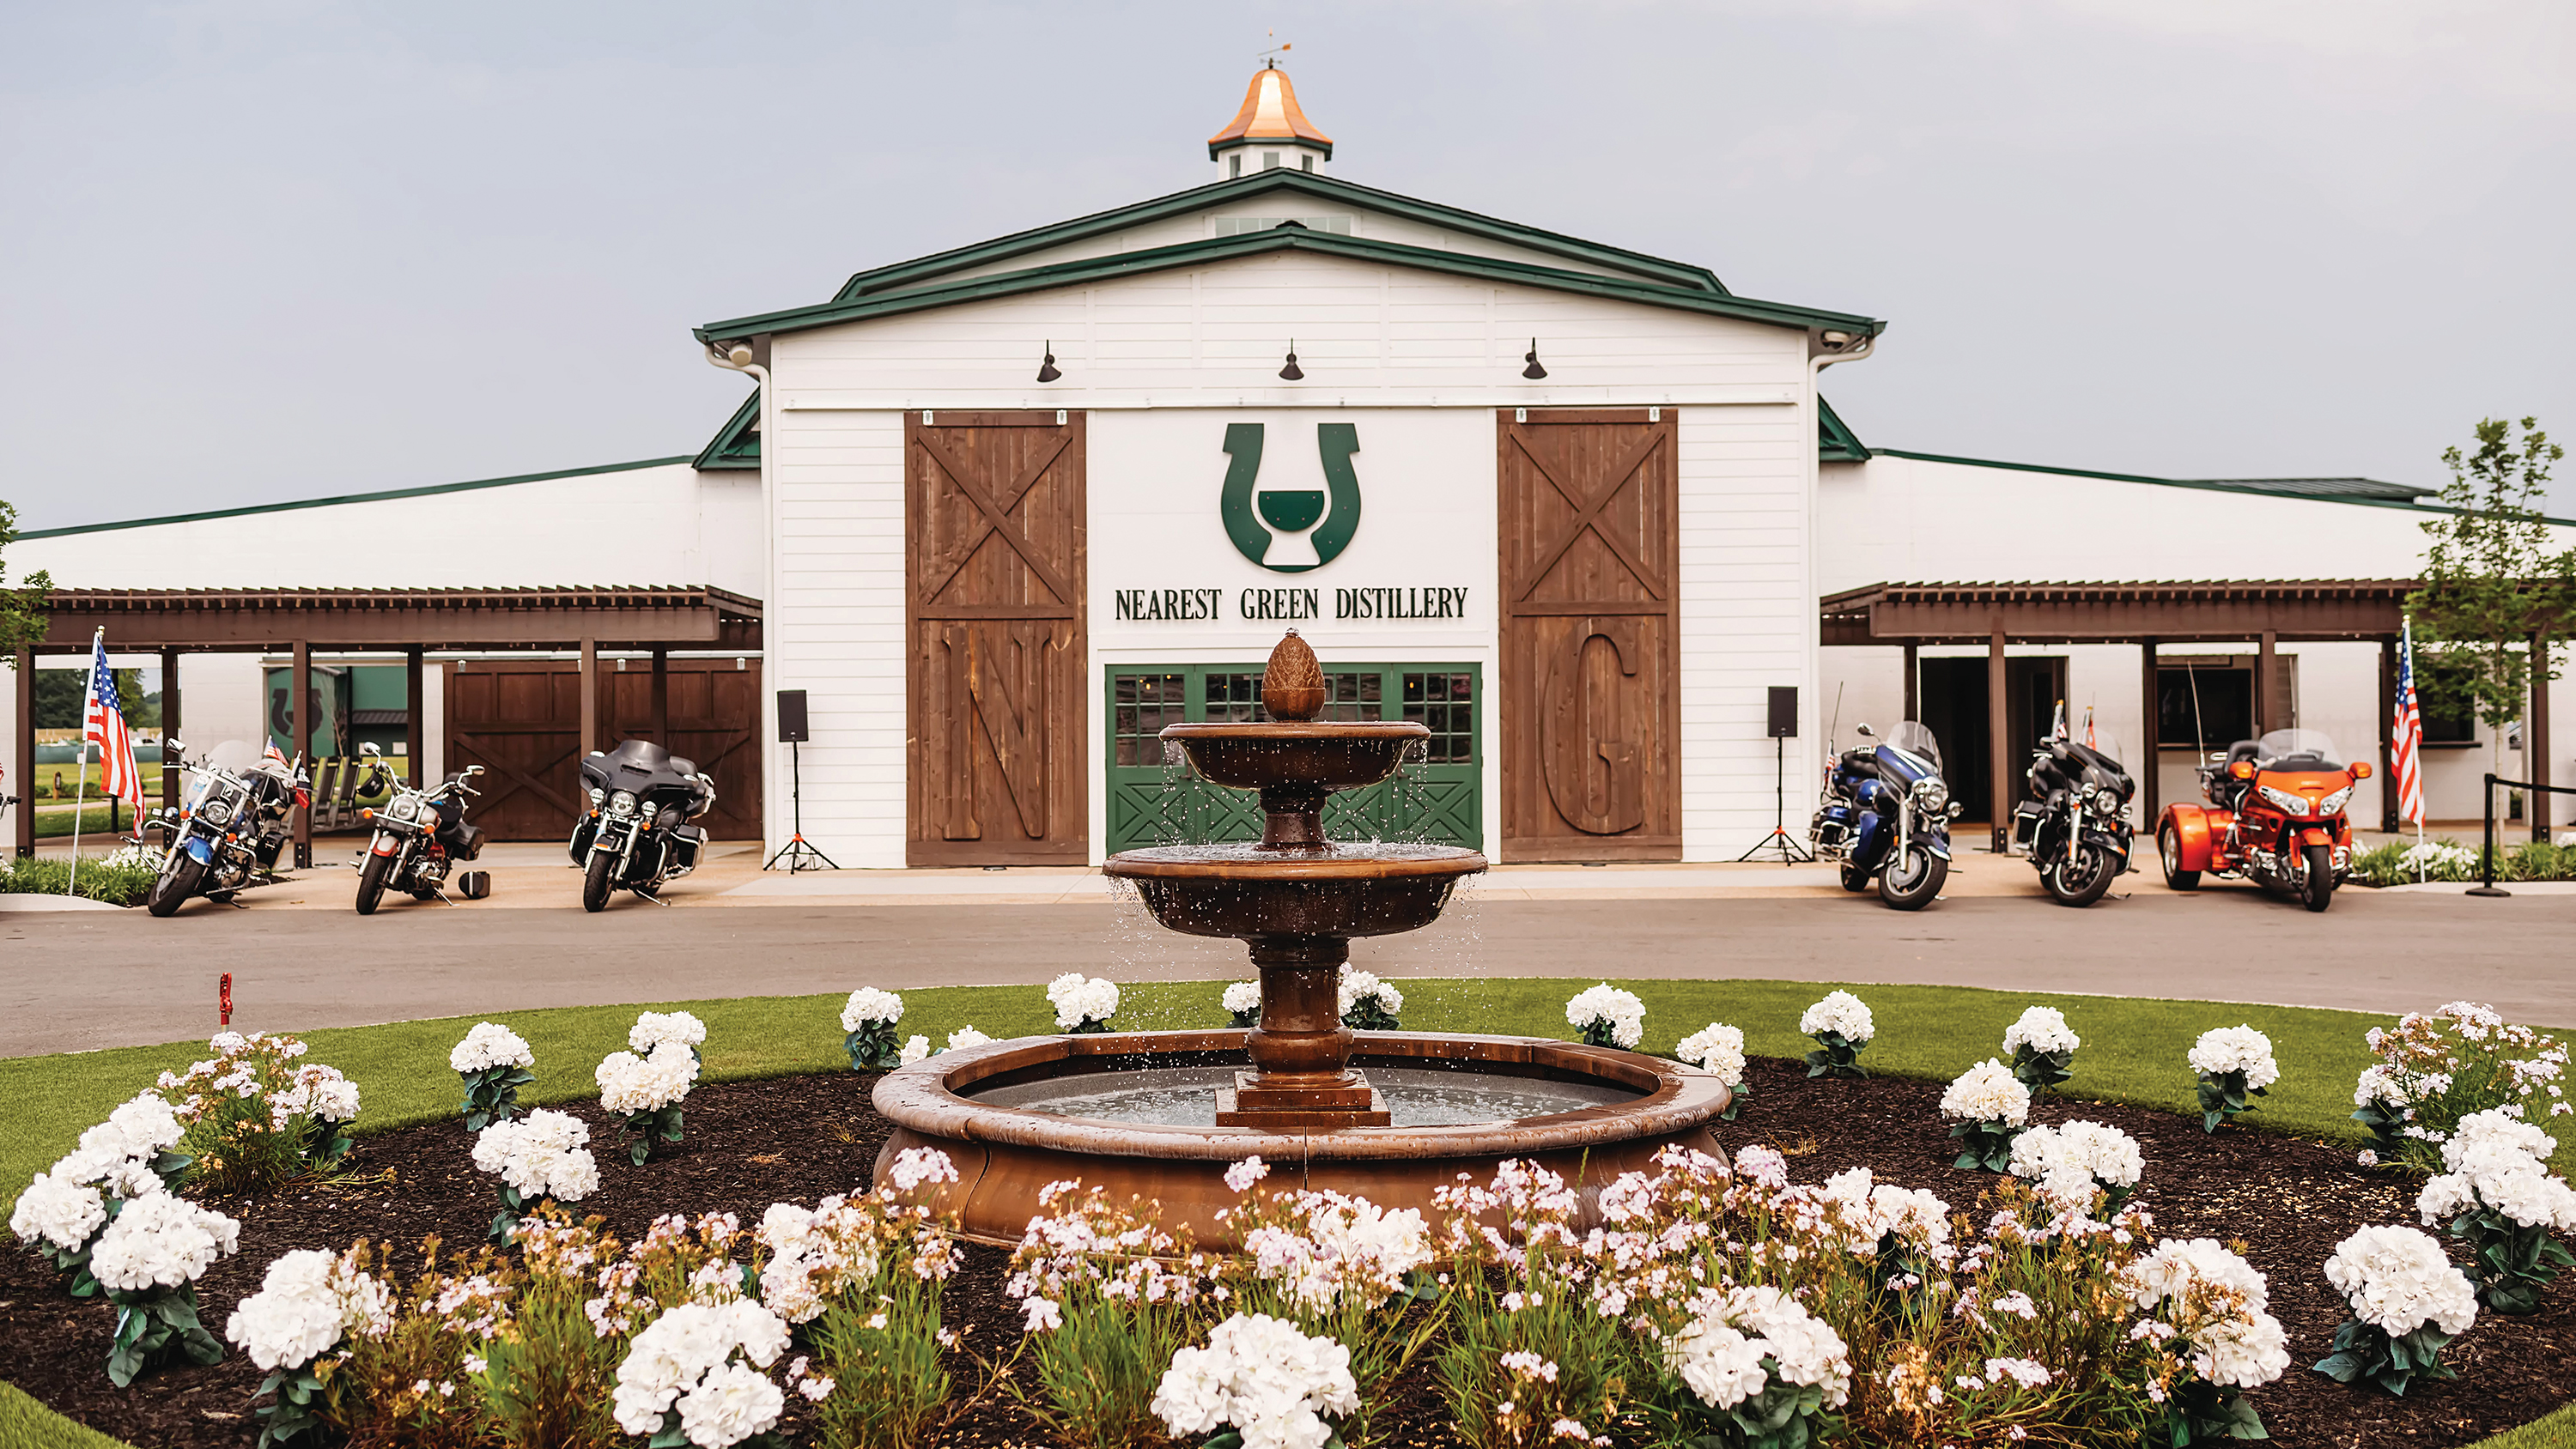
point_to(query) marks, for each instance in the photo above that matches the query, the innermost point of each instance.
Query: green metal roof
(737, 443)
(356, 498)
(1220, 249)
(923, 270)
(1835, 441)
(2366, 492)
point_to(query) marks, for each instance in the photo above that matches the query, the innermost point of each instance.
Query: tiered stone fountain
(1388, 1115)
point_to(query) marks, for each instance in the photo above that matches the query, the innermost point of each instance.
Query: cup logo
(1265, 523)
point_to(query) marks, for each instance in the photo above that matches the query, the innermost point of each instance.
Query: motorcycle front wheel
(2316, 890)
(594, 881)
(371, 882)
(179, 880)
(2081, 881)
(1912, 878)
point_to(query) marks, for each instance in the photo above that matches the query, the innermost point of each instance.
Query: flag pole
(80, 768)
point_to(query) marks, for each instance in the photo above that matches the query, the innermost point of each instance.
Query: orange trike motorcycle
(2275, 816)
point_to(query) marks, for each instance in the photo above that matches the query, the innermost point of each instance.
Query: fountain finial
(1292, 688)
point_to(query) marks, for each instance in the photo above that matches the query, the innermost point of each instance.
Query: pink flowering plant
(2434, 1069)
(1528, 1358)
(256, 1117)
(1109, 1296)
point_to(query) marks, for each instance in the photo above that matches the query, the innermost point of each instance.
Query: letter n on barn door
(1591, 689)
(994, 589)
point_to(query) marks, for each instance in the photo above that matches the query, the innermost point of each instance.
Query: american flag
(103, 725)
(2407, 747)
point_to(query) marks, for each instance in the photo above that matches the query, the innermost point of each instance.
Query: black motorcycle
(2075, 824)
(419, 836)
(230, 827)
(637, 836)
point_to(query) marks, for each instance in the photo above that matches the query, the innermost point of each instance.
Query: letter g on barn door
(1588, 744)
(1290, 510)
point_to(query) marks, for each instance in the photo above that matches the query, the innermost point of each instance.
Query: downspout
(1822, 354)
(738, 356)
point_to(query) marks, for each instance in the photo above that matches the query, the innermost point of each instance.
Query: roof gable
(737, 443)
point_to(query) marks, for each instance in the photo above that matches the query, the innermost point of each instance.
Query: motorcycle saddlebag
(469, 838)
(685, 841)
(2025, 823)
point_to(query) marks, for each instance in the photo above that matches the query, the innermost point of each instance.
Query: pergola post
(300, 681)
(1998, 747)
(414, 740)
(26, 701)
(2267, 664)
(1913, 681)
(2388, 820)
(2151, 744)
(662, 697)
(169, 729)
(589, 695)
(2538, 739)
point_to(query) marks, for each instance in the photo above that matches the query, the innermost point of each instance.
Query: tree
(22, 609)
(2492, 586)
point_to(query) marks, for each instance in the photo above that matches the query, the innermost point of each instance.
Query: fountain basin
(1618, 1109)
(1335, 890)
(1324, 755)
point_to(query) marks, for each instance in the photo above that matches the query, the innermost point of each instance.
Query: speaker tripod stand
(1779, 842)
(798, 852)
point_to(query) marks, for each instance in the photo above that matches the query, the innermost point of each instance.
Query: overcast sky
(262, 251)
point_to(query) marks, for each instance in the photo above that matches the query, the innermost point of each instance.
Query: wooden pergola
(172, 622)
(2268, 611)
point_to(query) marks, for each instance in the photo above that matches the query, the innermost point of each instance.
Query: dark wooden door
(714, 716)
(520, 719)
(993, 597)
(1591, 707)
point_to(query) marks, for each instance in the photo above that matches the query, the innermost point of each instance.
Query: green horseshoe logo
(1290, 509)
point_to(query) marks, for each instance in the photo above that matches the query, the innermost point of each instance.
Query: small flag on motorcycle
(224, 1000)
(2057, 722)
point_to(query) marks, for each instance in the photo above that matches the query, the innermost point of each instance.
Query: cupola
(1270, 132)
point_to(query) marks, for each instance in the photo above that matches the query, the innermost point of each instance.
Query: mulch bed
(801, 1138)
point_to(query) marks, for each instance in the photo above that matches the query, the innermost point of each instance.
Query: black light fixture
(1292, 372)
(1046, 365)
(1533, 372)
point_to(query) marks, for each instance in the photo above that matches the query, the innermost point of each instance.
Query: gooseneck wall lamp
(1046, 364)
(1292, 372)
(1533, 372)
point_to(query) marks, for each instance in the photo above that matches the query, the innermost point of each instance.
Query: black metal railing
(2486, 885)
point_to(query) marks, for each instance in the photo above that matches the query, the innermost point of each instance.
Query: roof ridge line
(291, 504)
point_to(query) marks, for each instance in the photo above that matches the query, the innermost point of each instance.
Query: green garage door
(1154, 799)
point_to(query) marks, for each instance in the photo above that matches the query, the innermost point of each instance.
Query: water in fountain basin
(1415, 1096)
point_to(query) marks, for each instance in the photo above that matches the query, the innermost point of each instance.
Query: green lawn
(2133, 1053)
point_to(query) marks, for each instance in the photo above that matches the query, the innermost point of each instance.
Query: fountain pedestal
(1301, 1080)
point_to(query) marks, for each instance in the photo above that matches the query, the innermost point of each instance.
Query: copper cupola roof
(1270, 113)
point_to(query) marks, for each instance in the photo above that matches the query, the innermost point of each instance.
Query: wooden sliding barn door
(1591, 698)
(993, 596)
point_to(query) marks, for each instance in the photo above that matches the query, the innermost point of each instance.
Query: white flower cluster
(868, 1004)
(307, 1303)
(1987, 1092)
(2382, 1083)
(917, 1049)
(2223, 1306)
(2042, 1029)
(65, 1204)
(540, 1155)
(685, 1359)
(2501, 1162)
(1358, 986)
(2224, 1049)
(653, 1028)
(1720, 1354)
(318, 1089)
(1717, 1049)
(1873, 1210)
(2435, 857)
(1078, 999)
(161, 1241)
(1338, 1246)
(964, 1037)
(649, 1083)
(1842, 1013)
(2069, 1160)
(1620, 1011)
(1245, 996)
(490, 1045)
(1259, 1374)
(2398, 1279)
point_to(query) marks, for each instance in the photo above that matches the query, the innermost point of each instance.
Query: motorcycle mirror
(1866, 732)
(369, 749)
(2360, 769)
(173, 747)
(2242, 769)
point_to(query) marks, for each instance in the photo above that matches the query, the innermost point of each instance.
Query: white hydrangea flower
(1987, 1092)
(58, 1211)
(141, 1128)
(327, 1094)
(307, 1302)
(1357, 985)
(1839, 1012)
(1872, 1210)
(2042, 1029)
(1078, 999)
(685, 1358)
(2224, 1049)
(2380, 1082)
(1717, 1049)
(915, 1050)
(2240, 1344)
(966, 1036)
(1621, 1011)
(2399, 1280)
(540, 1155)
(1275, 1385)
(629, 1083)
(2105, 1154)
(2497, 1128)
(1245, 996)
(1719, 1353)
(655, 1027)
(868, 1004)
(489, 1045)
(161, 1241)
(729, 1405)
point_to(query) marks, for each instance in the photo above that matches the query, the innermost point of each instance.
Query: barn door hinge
(1059, 417)
(1654, 415)
(1520, 415)
(925, 419)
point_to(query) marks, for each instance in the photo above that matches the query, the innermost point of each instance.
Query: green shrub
(121, 879)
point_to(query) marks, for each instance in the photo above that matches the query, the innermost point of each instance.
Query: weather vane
(1270, 58)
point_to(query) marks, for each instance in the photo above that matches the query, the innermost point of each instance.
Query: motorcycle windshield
(232, 757)
(1917, 741)
(2297, 750)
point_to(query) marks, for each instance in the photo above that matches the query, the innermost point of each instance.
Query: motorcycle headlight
(2106, 800)
(2290, 804)
(597, 794)
(215, 812)
(403, 808)
(1931, 794)
(2333, 804)
(622, 803)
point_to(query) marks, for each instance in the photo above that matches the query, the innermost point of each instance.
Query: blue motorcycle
(1886, 815)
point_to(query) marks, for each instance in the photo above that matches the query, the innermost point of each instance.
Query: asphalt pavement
(87, 979)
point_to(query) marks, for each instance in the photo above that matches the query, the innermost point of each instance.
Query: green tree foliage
(2491, 582)
(62, 695)
(22, 609)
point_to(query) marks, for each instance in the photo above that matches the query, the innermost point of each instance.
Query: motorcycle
(1885, 815)
(637, 836)
(2075, 825)
(419, 834)
(230, 825)
(2275, 817)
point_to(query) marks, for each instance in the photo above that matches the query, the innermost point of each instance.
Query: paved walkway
(301, 959)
